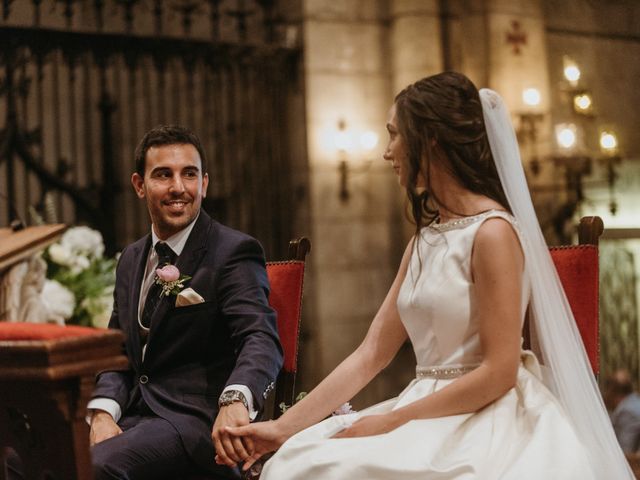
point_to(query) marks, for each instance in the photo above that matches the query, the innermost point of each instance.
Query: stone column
(356, 241)
(416, 47)
(416, 51)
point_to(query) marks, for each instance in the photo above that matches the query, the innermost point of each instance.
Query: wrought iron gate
(82, 80)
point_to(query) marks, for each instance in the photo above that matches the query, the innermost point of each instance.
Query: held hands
(264, 437)
(369, 425)
(102, 427)
(231, 449)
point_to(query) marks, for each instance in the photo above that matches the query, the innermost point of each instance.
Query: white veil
(570, 375)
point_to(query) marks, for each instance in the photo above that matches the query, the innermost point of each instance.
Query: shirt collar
(176, 241)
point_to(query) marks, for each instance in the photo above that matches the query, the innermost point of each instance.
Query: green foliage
(284, 407)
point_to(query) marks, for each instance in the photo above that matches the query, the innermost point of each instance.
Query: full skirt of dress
(523, 435)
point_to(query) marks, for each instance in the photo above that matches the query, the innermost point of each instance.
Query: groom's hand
(266, 437)
(229, 449)
(102, 427)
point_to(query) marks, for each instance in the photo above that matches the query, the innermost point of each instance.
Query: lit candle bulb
(608, 142)
(572, 73)
(582, 102)
(531, 97)
(571, 70)
(566, 135)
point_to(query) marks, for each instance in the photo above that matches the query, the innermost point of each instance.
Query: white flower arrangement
(76, 263)
(59, 299)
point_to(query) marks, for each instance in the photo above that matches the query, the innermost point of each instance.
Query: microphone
(16, 224)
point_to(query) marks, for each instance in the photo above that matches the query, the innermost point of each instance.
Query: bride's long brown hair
(440, 119)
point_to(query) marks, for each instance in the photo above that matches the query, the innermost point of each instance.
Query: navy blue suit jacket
(193, 352)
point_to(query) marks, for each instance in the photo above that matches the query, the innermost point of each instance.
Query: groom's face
(173, 186)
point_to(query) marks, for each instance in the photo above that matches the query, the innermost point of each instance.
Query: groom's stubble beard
(164, 221)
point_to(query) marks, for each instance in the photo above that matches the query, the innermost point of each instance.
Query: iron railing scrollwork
(74, 102)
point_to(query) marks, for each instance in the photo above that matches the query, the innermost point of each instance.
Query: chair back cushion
(577, 268)
(286, 299)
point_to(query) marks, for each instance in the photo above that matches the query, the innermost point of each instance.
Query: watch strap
(231, 396)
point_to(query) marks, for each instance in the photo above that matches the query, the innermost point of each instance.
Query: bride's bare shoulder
(497, 237)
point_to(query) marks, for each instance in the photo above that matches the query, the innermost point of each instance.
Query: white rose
(59, 299)
(100, 308)
(79, 263)
(83, 241)
(60, 254)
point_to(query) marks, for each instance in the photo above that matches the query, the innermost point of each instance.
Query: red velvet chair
(577, 267)
(286, 279)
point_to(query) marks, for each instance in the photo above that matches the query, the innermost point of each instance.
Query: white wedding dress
(523, 435)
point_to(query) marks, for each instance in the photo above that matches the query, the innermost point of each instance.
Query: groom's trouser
(149, 447)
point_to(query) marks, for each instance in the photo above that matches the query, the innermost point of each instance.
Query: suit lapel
(187, 263)
(140, 252)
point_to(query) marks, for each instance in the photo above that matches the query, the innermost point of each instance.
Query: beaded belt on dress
(444, 372)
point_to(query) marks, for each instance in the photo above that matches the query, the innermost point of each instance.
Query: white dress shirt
(177, 243)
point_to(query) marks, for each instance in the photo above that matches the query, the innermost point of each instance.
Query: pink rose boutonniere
(170, 279)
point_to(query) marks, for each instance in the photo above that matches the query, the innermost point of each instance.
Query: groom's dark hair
(167, 135)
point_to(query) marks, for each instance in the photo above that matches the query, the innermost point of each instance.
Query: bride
(480, 407)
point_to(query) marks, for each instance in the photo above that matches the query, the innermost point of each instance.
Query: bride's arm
(383, 340)
(381, 343)
(497, 263)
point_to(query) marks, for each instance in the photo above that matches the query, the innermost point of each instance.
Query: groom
(203, 352)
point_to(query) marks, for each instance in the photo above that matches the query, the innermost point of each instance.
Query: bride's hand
(369, 425)
(264, 436)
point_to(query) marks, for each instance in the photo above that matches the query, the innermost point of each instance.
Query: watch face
(232, 396)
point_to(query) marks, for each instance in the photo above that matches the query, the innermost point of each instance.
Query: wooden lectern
(46, 378)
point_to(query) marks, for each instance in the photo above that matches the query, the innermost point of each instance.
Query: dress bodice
(437, 301)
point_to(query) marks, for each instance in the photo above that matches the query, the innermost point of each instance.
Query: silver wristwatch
(232, 396)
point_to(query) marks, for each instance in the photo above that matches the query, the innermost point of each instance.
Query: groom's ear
(138, 184)
(205, 184)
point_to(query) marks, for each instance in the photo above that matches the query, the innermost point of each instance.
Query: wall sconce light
(576, 153)
(349, 145)
(611, 158)
(574, 164)
(528, 127)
